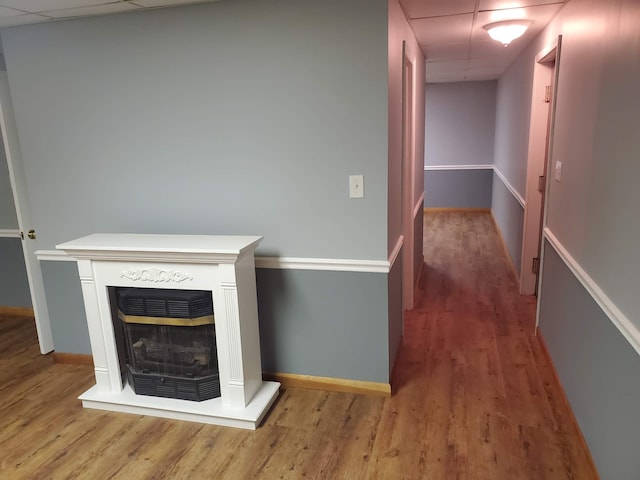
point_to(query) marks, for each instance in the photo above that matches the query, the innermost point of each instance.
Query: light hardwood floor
(475, 398)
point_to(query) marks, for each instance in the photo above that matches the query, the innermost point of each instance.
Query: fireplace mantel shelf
(151, 247)
(225, 266)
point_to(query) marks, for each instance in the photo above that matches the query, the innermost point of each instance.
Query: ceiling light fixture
(507, 31)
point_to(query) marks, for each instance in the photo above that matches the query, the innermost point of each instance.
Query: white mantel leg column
(102, 348)
(239, 358)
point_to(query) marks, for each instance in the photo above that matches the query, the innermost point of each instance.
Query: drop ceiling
(457, 47)
(449, 31)
(22, 12)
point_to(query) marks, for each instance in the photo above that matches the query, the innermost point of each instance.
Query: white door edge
(23, 212)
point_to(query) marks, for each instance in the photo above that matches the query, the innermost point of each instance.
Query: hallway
(475, 396)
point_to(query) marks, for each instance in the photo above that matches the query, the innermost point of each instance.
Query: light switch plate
(557, 173)
(356, 186)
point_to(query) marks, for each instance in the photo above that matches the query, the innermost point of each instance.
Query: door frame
(541, 126)
(23, 213)
(407, 176)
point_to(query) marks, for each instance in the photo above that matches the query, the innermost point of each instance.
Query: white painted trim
(54, 256)
(326, 264)
(513, 191)
(9, 233)
(457, 167)
(418, 209)
(619, 319)
(281, 263)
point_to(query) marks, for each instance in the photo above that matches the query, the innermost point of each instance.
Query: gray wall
(597, 367)
(241, 117)
(234, 117)
(594, 210)
(8, 219)
(458, 188)
(592, 213)
(329, 324)
(459, 130)
(460, 122)
(66, 307)
(395, 324)
(509, 216)
(401, 40)
(14, 286)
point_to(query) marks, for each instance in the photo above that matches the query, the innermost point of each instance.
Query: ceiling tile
(444, 78)
(48, 5)
(447, 66)
(453, 29)
(491, 48)
(24, 19)
(166, 3)
(540, 15)
(482, 75)
(9, 12)
(492, 63)
(437, 8)
(501, 4)
(447, 51)
(96, 10)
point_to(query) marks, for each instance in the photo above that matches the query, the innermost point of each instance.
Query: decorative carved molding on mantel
(156, 275)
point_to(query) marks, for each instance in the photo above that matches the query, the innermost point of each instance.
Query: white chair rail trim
(504, 180)
(619, 319)
(285, 263)
(457, 167)
(9, 233)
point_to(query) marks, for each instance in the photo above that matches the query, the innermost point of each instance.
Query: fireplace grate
(168, 386)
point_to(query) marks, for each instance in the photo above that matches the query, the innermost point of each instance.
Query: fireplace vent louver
(170, 342)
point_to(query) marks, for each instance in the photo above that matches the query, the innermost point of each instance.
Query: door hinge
(541, 183)
(535, 265)
(547, 94)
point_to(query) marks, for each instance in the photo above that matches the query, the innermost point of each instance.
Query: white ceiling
(21, 12)
(458, 48)
(449, 31)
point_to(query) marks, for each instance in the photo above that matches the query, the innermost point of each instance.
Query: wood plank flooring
(475, 398)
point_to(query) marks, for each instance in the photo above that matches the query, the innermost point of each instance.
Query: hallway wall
(242, 117)
(459, 144)
(399, 34)
(589, 303)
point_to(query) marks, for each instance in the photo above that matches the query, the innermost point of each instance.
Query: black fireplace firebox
(170, 342)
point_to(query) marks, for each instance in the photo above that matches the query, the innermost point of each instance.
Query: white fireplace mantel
(223, 265)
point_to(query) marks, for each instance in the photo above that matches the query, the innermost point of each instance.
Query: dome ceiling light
(507, 31)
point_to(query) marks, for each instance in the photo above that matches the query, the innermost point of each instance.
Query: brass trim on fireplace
(174, 322)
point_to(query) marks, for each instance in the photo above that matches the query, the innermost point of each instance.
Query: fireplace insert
(169, 342)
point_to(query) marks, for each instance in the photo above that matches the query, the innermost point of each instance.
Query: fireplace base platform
(209, 411)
